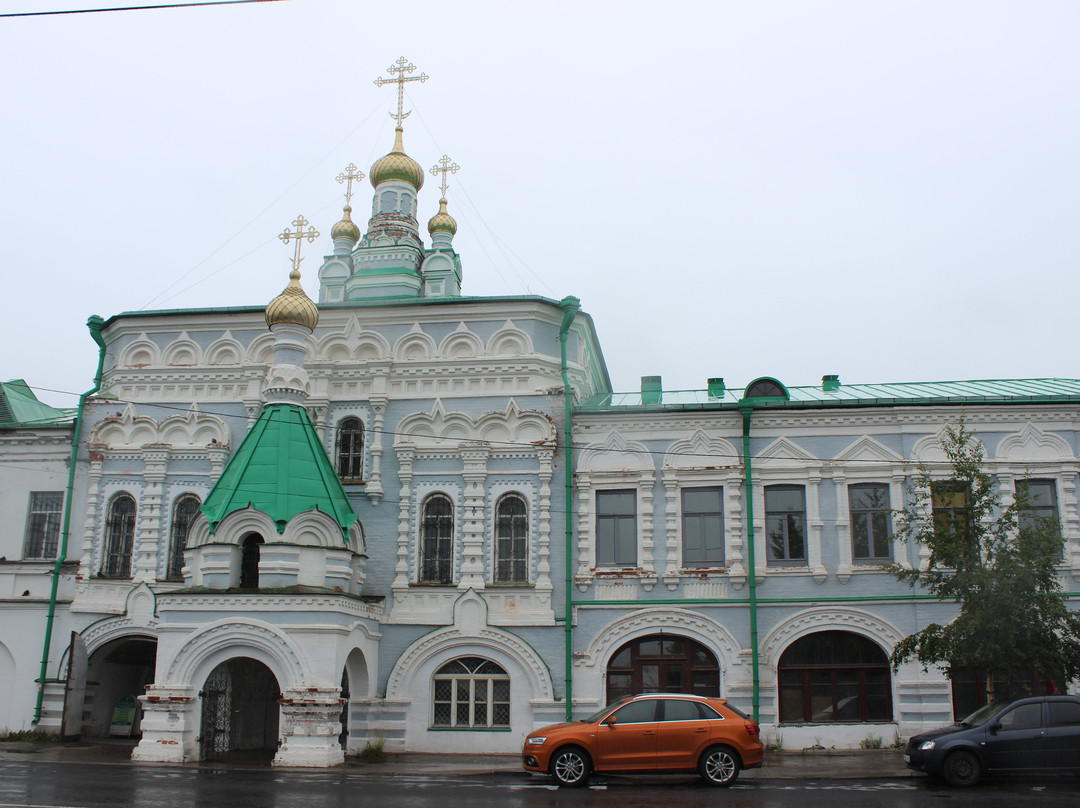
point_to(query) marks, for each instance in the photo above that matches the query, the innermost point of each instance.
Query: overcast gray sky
(889, 191)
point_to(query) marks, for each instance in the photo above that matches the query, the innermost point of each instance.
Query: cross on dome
(287, 235)
(401, 67)
(350, 173)
(444, 166)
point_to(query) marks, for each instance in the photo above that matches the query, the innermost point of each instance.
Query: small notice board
(123, 717)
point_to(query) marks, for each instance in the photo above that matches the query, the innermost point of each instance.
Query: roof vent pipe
(716, 388)
(651, 389)
(830, 382)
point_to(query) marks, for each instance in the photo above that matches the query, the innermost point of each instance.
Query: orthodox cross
(401, 67)
(310, 234)
(444, 166)
(351, 173)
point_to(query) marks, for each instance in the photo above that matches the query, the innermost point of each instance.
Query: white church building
(406, 515)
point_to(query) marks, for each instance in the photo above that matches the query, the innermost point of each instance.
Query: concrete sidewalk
(816, 764)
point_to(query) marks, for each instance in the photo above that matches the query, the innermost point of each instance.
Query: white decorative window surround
(615, 464)
(468, 631)
(784, 462)
(470, 460)
(865, 461)
(1034, 454)
(181, 453)
(510, 526)
(1030, 453)
(347, 443)
(701, 461)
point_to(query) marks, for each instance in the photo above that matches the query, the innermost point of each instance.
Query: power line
(155, 7)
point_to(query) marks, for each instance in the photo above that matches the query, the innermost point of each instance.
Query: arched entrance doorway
(662, 663)
(239, 711)
(118, 671)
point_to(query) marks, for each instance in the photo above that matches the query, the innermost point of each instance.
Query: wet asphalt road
(84, 785)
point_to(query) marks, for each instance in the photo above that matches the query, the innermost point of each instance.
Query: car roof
(689, 696)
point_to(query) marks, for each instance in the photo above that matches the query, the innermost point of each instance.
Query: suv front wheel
(719, 765)
(571, 767)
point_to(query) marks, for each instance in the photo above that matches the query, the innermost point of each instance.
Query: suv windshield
(592, 719)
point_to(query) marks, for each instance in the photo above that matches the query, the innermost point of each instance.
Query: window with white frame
(785, 524)
(511, 540)
(184, 512)
(703, 527)
(43, 524)
(616, 528)
(119, 537)
(437, 540)
(871, 523)
(471, 693)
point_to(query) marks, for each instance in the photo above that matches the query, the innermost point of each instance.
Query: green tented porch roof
(281, 469)
(19, 407)
(892, 394)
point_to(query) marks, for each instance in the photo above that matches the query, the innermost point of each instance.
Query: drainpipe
(746, 409)
(570, 306)
(95, 324)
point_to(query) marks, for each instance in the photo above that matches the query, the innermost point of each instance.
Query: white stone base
(310, 727)
(168, 733)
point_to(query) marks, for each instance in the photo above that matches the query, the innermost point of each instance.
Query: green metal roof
(894, 394)
(19, 407)
(281, 469)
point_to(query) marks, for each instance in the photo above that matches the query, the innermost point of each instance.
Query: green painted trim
(95, 324)
(570, 306)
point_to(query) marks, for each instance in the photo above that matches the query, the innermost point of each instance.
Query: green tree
(999, 568)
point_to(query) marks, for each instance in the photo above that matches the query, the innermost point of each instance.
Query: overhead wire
(152, 7)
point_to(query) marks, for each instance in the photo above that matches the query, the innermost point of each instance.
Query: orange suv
(658, 732)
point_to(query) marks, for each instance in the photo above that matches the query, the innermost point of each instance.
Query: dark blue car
(1036, 734)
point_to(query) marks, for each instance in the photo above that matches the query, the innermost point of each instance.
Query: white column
(475, 458)
(843, 527)
(169, 725)
(310, 727)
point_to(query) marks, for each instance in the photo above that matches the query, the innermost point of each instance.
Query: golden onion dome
(397, 165)
(292, 306)
(346, 228)
(442, 220)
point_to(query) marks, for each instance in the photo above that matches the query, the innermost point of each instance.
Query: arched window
(184, 513)
(662, 663)
(511, 540)
(119, 537)
(437, 540)
(471, 693)
(249, 561)
(766, 388)
(834, 676)
(350, 449)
